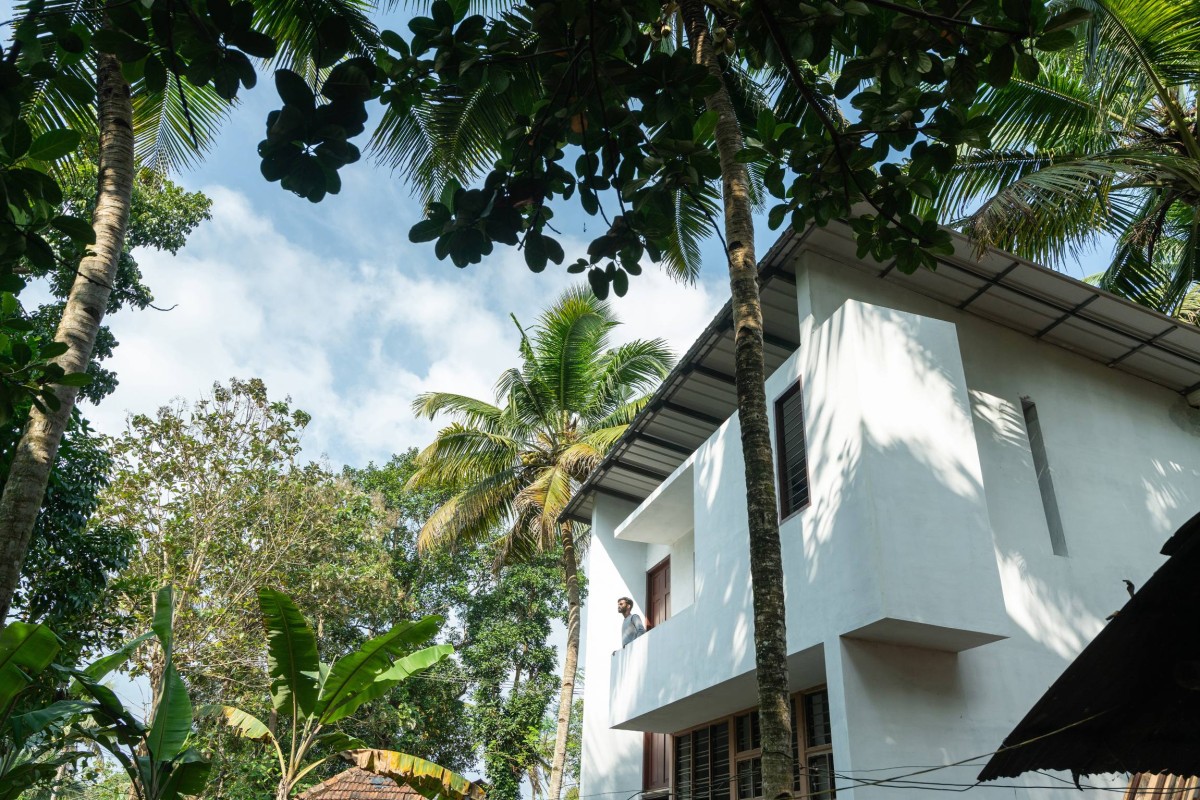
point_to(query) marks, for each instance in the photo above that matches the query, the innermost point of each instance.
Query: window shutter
(792, 455)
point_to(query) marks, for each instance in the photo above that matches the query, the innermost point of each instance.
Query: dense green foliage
(499, 622)
(157, 754)
(510, 467)
(69, 558)
(506, 653)
(313, 695)
(1103, 142)
(566, 98)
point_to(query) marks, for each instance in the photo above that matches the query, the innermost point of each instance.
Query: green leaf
(155, 75)
(53, 145)
(1027, 66)
(425, 231)
(1059, 40)
(337, 742)
(1000, 67)
(188, 777)
(77, 230)
(256, 44)
(1067, 19)
(292, 660)
(76, 379)
(17, 140)
(101, 667)
(334, 40)
(122, 45)
(704, 126)
(350, 80)
(23, 777)
(39, 252)
(23, 726)
(164, 614)
(293, 89)
(25, 650)
(620, 283)
(53, 350)
(402, 670)
(535, 252)
(351, 677)
(173, 713)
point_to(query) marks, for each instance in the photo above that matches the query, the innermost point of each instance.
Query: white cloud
(352, 333)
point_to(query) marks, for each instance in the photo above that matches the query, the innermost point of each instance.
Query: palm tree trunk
(766, 560)
(566, 698)
(86, 304)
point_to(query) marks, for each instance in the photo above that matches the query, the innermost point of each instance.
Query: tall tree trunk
(566, 698)
(766, 560)
(86, 304)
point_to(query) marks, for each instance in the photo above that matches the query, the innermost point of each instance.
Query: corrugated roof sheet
(698, 396)
(1131, 701)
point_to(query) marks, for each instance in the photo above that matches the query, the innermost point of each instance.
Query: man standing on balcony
(632, 627)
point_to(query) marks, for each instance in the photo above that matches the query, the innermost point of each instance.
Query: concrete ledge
(920, 634)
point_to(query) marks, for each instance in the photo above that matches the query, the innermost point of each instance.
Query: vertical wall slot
(1037, 446)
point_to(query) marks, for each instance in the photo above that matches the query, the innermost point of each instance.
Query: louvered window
(723, 760)
(702, 763)
(792, 455)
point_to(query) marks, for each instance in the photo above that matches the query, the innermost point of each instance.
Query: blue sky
(332, 305)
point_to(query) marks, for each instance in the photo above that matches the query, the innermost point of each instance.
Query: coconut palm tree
(450, 137)
(165, 128)
(513, 464)
(1103, 142)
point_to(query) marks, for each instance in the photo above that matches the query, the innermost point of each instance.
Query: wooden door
(658, 593)
(656, 747)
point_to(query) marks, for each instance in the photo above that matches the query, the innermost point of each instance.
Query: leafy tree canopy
(852, 109)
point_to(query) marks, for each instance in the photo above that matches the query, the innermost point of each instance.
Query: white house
(972, 460)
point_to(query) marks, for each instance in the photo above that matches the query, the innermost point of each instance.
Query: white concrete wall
(612, 768)
(926, 528)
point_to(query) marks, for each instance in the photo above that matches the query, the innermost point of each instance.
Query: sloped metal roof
(698, 396)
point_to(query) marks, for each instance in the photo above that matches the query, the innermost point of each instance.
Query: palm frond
(467, 410)
(630, 369)
(166, 139)
(694, 214)
(472, 515)
(293, 24)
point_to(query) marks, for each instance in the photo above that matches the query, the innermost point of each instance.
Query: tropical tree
(499, 622)
(514, 463)
(312, 696)
(156, 756)
(1101, 143)
(121, 82)
(69, 561)
(219, 502)
(26, 651)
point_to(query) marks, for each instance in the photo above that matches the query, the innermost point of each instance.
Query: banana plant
(34, 744)
(314, 696)
(26, 759)
(156, 755)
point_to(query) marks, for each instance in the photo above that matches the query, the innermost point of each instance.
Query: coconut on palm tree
(1103, 142)
(512, 464)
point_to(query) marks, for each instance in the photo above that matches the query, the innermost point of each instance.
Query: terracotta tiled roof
(358, 784)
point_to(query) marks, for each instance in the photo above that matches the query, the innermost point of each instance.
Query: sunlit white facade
(977, 494)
